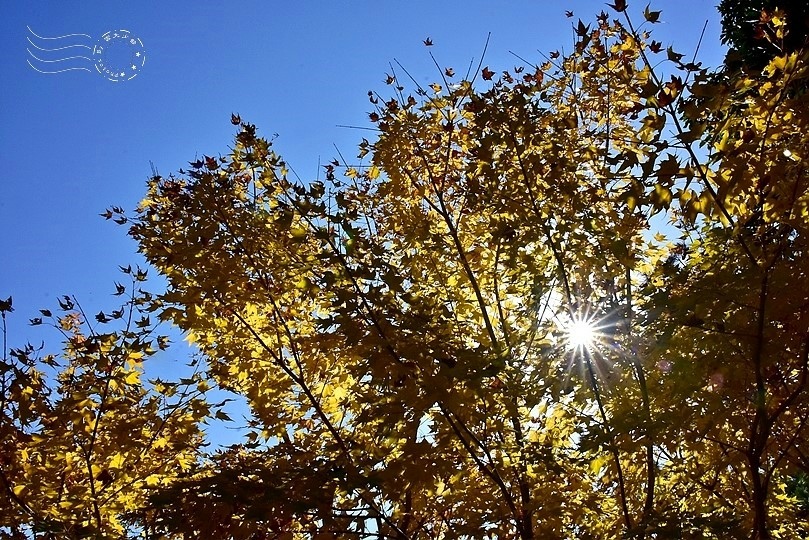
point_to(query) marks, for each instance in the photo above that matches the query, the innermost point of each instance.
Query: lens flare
(581, 333)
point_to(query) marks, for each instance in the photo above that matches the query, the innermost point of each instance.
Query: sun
(581, 333)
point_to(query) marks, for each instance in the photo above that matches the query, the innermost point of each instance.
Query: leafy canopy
(401, 328)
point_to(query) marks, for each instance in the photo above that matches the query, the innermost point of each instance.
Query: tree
(82, 438)
(485, 332)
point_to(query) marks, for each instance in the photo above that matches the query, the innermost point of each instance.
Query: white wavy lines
(58, 70)
(59, 59)
(42, 65)
(57, 37)
(57, 48)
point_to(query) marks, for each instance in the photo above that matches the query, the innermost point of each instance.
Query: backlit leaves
(406, 325)
(83, 436)
(398, 329)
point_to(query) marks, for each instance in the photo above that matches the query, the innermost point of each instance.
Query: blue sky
(74, 143)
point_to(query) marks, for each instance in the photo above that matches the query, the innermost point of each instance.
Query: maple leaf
(487, 74)
(210, 163)
(651, 16)
(674, 56)
(428, 42)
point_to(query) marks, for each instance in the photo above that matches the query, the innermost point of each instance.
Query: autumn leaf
(651, 16)
(674, 56)
(581, 29)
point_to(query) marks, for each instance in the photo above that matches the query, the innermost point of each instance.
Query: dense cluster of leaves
(399, 331)
(751, 39)
(82, 438)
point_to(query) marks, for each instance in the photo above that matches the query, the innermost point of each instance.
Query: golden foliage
(399, 332)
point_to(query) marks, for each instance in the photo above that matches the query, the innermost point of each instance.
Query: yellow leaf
(132, 378)
(117, 461)
(597, 464)
(339, 393)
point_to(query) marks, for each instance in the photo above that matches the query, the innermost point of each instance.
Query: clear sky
(74, 143)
